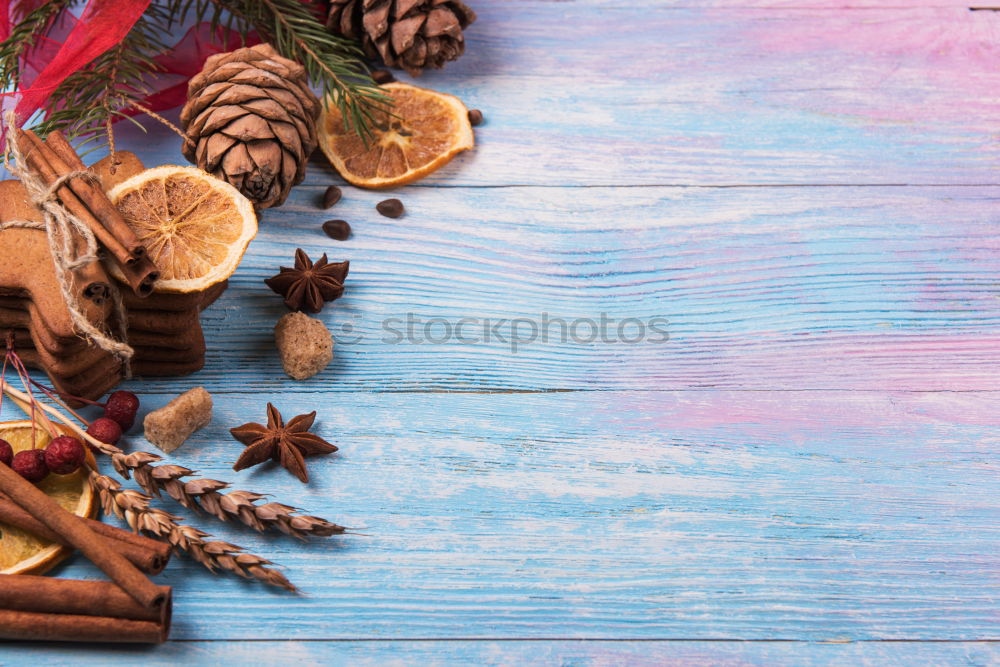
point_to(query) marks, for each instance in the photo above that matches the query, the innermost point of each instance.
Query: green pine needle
(333, 63)
(87, 101)
(23, 35)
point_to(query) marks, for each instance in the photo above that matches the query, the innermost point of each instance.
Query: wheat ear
(134, 508)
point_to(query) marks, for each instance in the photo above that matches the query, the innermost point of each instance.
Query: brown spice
(49, 609)
(338, 230)
(286, 443)
(331, 196)
(475, 117)
(95, 198)
(93, 208)
(150, 556)
(309, 285)
(390, 208)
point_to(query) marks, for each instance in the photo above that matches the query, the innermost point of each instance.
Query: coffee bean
(338, 230)
(475, 117)
(331, 196)
(381, 76)
(390, 208)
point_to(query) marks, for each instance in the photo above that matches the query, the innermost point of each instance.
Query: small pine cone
(412, 34)
(250, 120)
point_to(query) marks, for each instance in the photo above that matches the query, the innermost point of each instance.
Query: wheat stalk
(204, 494)
(133, 507)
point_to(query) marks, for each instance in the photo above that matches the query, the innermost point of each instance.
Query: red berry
(30, 464)
(105, 430)
(122, 406)
(6, 453)
(64, 455)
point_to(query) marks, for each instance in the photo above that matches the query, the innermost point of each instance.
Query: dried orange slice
(195, 227)
(425, 130)
(21, 552)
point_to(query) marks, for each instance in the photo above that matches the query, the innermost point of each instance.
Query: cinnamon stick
(43, 160)
(142, 277)
(78, 534)
(45, 608)
(90, 280)
(38, 626)
(150, 556)
(25, 592)
(95, 198)
(33, 626)
(140, 273)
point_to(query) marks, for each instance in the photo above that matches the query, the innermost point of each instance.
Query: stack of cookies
(163, 329)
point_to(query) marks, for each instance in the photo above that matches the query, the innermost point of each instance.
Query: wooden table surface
(801, 470)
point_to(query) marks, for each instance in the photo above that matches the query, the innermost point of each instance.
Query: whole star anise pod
(288, 444)
(308, 285)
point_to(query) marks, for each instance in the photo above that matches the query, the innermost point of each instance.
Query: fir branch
(87, 101)
(25, 35)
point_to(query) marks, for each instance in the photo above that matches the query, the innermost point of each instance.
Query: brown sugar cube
(171, 425)
(304, 345)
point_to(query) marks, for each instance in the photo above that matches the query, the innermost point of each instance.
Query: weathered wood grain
(562, 652)
(654, 94)
(773, 288)
(821, 516)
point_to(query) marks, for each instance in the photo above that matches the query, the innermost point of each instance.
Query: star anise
(308, 285)
(287, 444)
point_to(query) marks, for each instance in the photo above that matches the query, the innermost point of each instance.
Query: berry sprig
(63, 455)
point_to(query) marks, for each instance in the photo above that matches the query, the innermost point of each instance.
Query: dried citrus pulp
(423, 132)
(21, 552)
(195, 227)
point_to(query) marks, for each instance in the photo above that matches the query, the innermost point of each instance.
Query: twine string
(62, 229)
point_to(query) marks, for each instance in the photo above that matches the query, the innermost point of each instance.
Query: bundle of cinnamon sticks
(55, 158)
(129, 608)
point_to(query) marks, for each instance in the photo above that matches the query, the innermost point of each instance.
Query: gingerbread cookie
(164, 329)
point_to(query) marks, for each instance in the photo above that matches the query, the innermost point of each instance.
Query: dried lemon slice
(21, 552)
(424, 132)
(195, 227)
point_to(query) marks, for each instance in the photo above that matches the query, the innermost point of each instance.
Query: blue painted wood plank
(774, 288)
(710, 95)
(821, 516)
(564, 652)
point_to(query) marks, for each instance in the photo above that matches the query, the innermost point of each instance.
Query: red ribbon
(71, 44)
(103, 25)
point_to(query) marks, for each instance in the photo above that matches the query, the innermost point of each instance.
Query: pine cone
(250, 119)
(412, 34)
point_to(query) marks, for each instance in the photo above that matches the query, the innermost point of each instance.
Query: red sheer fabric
(72, 43)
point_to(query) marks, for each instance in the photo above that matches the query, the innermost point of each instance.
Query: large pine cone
(251, 120)
(412, 34)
